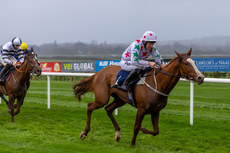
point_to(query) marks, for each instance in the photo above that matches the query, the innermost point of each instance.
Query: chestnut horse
(19, 82)
(150, 97)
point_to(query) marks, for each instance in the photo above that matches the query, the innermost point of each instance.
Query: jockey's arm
(157, 57)
(135, 59)
(5, 58)
(21, 56)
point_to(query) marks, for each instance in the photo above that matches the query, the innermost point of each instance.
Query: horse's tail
(84, 86)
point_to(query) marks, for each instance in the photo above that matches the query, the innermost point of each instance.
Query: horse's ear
(32, 49)
(189, 52)
(178, 54)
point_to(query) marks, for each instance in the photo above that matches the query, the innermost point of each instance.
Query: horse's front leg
(155, 120)
(139, 118)
(11, 106)
(19, 104)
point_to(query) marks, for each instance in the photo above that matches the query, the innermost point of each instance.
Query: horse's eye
(186, 63)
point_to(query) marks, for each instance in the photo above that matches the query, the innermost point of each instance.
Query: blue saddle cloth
(122, 76)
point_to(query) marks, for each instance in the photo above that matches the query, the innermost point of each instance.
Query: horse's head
(188, 67)
(33, 62)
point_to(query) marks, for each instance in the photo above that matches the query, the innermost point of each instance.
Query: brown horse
(19, 82)
(150, 97)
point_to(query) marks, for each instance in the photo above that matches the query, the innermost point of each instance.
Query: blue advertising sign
(102, 64)
(203, 64)
(213, 64)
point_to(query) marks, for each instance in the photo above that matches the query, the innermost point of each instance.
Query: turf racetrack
(37, 129)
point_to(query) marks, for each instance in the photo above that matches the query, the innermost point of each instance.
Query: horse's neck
(22, 76)
(167, 83)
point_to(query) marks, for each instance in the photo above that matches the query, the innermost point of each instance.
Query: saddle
(122, 76)
(7, 75)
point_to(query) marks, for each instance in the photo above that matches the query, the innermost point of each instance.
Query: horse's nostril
(199, 78)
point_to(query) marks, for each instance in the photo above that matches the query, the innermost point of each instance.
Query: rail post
(48, 92)
(191, 102)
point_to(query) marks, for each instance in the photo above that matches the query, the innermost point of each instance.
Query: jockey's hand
(18, 64)
(162, 65)
(151, 64)
(14, 64)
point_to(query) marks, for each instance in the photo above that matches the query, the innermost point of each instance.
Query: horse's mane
(174, 58)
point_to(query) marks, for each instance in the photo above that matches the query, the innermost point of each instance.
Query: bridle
(30, 67)
(185, 75)
(166, 73)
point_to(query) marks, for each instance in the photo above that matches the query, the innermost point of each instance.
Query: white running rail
(48, 74)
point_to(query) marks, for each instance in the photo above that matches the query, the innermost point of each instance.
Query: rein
(166, 73)
(23, 71)
(19, 70)
(170, 74)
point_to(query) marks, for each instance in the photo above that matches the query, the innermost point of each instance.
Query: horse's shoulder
(110, 70)
(113, 66)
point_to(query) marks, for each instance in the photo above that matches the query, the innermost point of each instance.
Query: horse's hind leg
(91, 107)
(109, 109)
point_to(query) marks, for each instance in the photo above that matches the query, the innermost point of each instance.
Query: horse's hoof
(132, 145)
(118, 136)
(82, 136)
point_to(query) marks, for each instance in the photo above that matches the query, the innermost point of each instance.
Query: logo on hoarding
(213, 64)
(57, 67)
(51, 66)
(78, 67)
(84, 66)
(102, 64)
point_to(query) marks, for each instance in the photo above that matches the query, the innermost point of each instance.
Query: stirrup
(114, 86)
(1, 82)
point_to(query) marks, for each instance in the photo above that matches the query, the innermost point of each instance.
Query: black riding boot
(132, 76)
(4, 70)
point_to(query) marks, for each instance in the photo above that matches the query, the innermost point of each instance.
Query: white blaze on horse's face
(199, 77)
(36, 67)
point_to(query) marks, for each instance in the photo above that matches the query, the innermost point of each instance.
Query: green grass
(37, 129)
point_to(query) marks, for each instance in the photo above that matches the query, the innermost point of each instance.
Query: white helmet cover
(17, 41)
(149, 36)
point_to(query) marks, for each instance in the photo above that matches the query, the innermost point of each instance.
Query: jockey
(134, 57)
(8, 53)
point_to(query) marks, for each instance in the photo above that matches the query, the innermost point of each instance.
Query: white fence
(48, 74)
